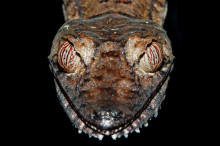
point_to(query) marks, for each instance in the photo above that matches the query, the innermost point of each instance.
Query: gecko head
(111, 76)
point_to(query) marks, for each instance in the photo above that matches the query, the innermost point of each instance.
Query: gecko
(111, 61)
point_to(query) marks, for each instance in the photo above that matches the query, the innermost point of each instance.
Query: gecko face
(111, 72)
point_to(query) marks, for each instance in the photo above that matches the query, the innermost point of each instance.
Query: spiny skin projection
(111, 70)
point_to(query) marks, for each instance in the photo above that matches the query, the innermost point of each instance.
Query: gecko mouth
(141, 118)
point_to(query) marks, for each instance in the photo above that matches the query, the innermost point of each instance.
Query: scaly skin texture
(144, 9)
(120, 63)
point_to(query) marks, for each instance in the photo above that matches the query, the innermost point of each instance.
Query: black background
(37, 117)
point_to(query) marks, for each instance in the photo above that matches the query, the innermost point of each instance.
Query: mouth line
(120, 128)
(88, 124)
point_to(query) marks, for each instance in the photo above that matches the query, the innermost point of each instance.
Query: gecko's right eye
(68, 59)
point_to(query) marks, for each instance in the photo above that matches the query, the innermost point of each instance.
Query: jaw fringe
(142, 120)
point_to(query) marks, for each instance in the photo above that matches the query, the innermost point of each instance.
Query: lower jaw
(142, 120)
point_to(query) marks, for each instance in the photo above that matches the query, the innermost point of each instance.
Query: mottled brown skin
(110, 93)
(112, 81)
(144, 9)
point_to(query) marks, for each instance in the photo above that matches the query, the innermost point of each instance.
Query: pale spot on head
(66, 26)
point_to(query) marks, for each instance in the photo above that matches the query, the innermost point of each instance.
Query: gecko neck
(144, 9)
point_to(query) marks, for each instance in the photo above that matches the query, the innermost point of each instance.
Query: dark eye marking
(99, 78)
(113, 54)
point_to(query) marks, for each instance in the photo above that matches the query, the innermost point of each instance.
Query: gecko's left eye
(68, 59)
(152, 58)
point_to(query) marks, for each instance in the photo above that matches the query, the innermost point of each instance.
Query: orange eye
(152, 58)
(68, 60)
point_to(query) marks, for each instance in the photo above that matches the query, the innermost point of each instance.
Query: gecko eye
(68, 59)
(152, 58)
